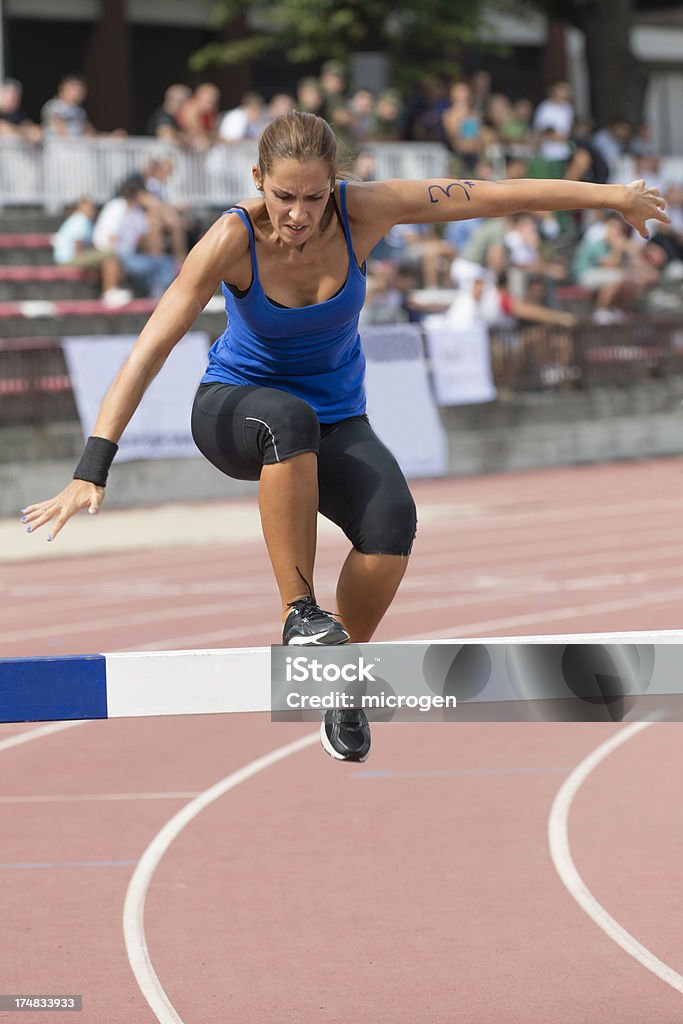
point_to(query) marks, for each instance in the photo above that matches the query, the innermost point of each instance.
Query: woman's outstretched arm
(444, 199)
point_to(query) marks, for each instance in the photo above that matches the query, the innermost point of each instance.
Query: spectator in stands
(420, 248)
(609, 262)
(333, 83)
(611, 142)
(586, 162)
(669, 237)
(527, 256)
(532, 306)
(385, 300)
(73, 246)
(364, 165)
(155, 175)
(309, 95)
(515, 167)
(485, 299)
(281, 103)
(361, 111)
(649, 167)
(14, 122)
(484, 248)
(424, 111)
(458, 233)
(552, 122)
(642, 142)
(478, 300)
(165, 121)
(155, 181)
(333, 87)
(516, 130)
(64, 115)
(674, 195)
(168, 227)
(245, 121)
(199, 116)
(389, 125)
(462, 125)
(123, 227)
(480, 91)
(499, 116)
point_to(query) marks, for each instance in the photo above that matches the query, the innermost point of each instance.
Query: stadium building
(130, 50)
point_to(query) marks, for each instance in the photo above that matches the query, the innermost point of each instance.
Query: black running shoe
(345, 734)
(308, 625)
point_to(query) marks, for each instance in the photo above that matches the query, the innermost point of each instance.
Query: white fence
(61, 170)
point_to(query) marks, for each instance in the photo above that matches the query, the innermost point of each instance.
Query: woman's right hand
(643, 203)
(76, 495)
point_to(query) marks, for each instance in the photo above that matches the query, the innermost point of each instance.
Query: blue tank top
(313, 352)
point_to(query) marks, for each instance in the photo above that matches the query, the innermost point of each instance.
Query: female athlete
(282, 400)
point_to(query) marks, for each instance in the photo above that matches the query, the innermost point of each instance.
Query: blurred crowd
(519, 267)
(466, 115)
(136, 242)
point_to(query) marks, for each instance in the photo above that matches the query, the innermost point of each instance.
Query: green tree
(420, 36)
(428, 37)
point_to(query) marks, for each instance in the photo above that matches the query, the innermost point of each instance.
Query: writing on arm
(438, 192)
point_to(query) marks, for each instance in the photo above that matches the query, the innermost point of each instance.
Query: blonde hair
(299, 136)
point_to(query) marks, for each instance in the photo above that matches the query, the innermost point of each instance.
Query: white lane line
(36, 734)
(134, 905)
(437, 513)
(470, 630)
(131, 618)
(560, 852)
(63, 798)
(510, 556)
(467, 598)
(539, 617)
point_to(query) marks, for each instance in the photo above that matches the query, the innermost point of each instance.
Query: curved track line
(134, 905)
(560, 853)
(36, 734)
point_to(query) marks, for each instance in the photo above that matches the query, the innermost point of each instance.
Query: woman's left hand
(643, 203)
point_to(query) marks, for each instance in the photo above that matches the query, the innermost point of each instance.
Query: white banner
(401, 407)
(160, 428)
(461, 362)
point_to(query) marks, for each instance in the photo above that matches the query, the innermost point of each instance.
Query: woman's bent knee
(390, 532)
(241, 428)
(293, 429)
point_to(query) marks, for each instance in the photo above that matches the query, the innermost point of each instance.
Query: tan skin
(300, 268)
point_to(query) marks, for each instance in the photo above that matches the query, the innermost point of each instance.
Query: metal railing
(59, 171)
(546, 358)
(35, 387)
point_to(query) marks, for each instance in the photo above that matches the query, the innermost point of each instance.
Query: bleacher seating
(25, 247)
(39, 298)
(22, 283)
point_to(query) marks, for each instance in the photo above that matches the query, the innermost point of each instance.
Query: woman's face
(461, 93)
(295, 194)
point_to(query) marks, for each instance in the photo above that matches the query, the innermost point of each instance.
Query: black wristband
(95, 461)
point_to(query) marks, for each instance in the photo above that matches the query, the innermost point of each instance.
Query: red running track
(417, 887)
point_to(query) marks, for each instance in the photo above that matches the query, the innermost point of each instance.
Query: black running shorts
(362, 489)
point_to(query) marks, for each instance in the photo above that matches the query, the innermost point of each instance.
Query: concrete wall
(521, 431)
(540, 430)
